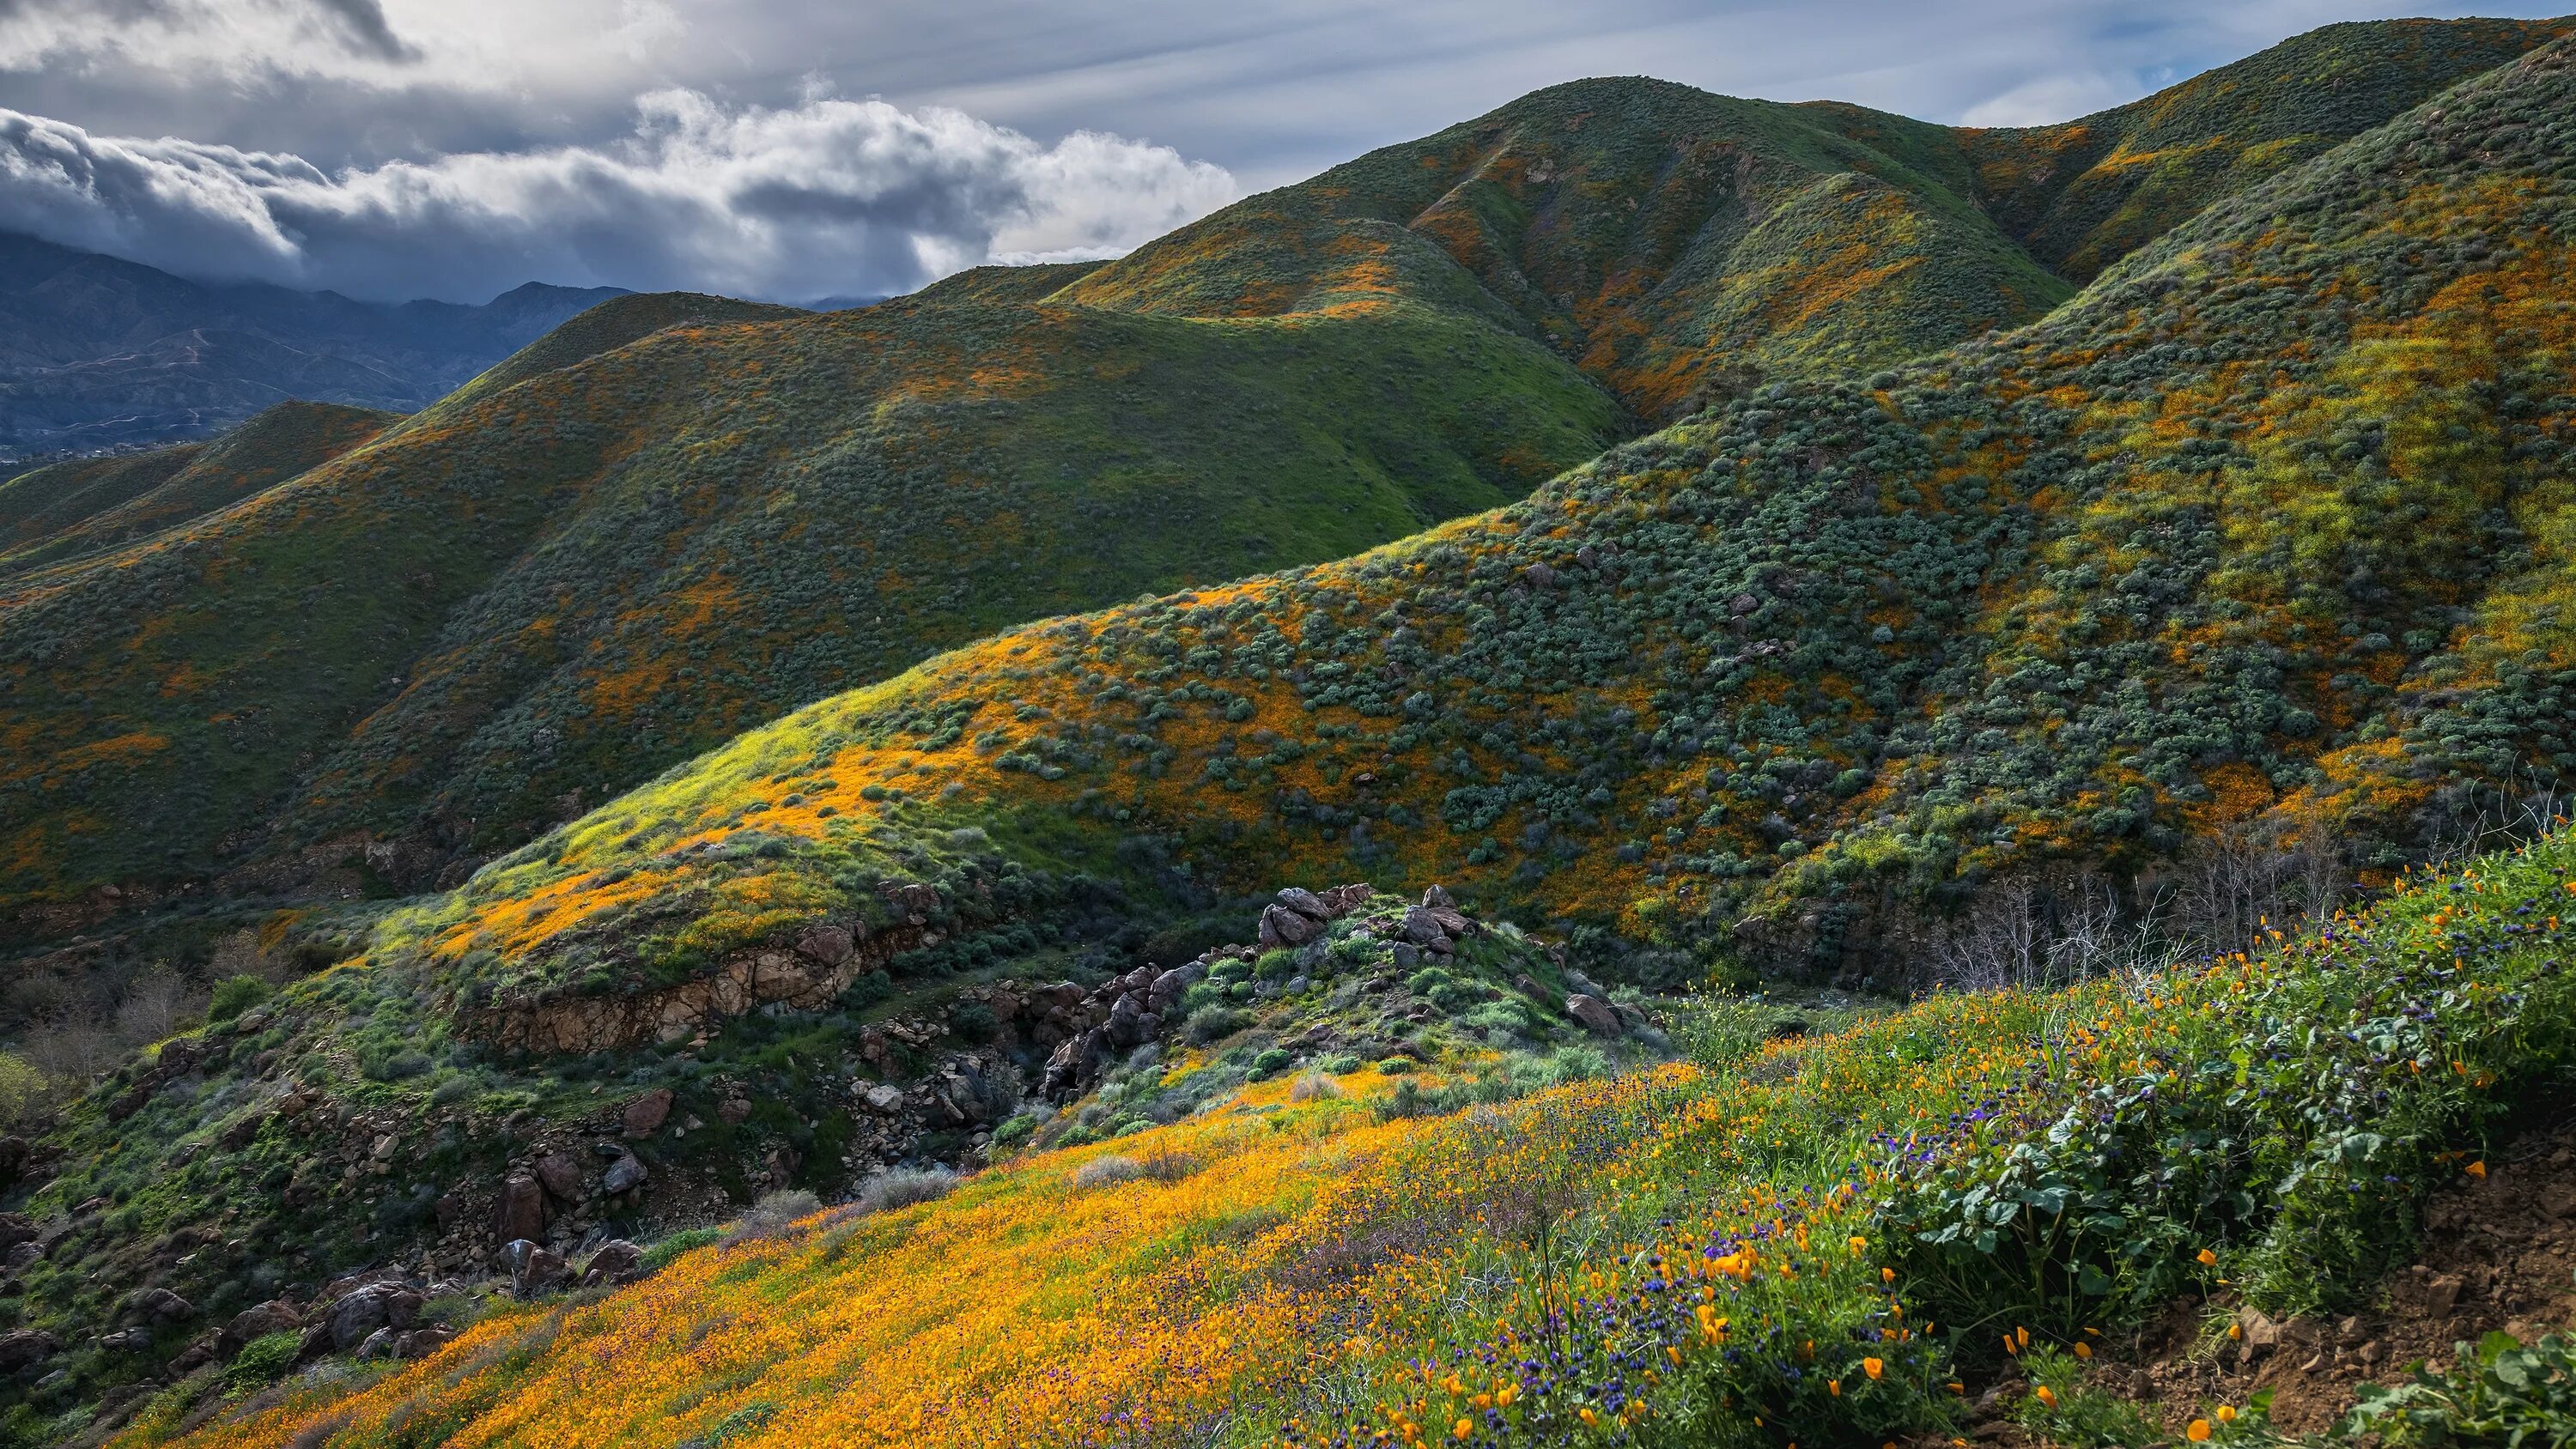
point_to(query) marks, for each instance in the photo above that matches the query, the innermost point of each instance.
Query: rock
(520, 1209)
(617, 1261)
(2262, 1332)
(734, 1111)
(1596, 1015)
(422, 1342)
(646, 1114)
(2442, 1294)
(1305, 903)
(535, 1270)
(1437, 897)
(825, 945)
(365, 1310)
(1540, 575)
(1742, 604)
(561, 1175)
(20, 1347)
(15, 1229)
(162, 1306)
(127, 1340)
(1341, 900)
(1171, 986)
(1424, 929)
(13, 1160)
(1451, 920)
(883, 1099)
(623, 1175)
(257, 1321)
(1281, 926)
(180, 1057)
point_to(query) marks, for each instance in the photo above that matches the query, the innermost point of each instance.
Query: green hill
(2228, 549)
(92, 504)
(2238, 580)
(547, 589)
(678, 517)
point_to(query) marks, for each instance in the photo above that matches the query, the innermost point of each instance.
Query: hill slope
(94, 503)
(98, 352)
(594, 560)
(547, 589)
(1678, 244)
(2264, 534)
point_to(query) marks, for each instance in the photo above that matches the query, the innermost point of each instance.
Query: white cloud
(825, 197)
(2049, 99)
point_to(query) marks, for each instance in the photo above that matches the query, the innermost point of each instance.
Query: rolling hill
(2264, 534)
(597, 560)
(2254, 554)
(96, 352)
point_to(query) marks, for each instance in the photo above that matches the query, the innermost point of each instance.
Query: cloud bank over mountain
(827, 196)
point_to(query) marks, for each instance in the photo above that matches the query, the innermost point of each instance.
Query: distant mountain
(97, 353)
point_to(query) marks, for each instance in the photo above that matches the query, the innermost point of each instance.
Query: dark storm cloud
(830, 196)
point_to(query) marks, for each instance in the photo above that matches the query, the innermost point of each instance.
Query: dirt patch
(2498, 1252)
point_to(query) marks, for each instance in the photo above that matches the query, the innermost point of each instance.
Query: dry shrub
(1107, 1171)
(1314, 1086)
(901, 1187)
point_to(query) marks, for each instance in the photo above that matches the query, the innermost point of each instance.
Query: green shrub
(236, 994)
(688, 1240)
(2502, 1394)
(262, 1361)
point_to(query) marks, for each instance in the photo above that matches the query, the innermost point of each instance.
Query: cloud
(156, 30)
(2047, 100)
(829, 196)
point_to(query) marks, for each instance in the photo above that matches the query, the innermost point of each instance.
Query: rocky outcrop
(825, 958)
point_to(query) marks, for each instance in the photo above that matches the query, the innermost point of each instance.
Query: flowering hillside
(1812, 1240)
(2230, 549)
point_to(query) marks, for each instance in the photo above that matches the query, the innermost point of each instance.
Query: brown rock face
(519, 1211)
(1596, 1015)
(646, 1114)
(562, 1175)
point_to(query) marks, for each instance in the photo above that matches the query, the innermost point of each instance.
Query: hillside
(90, 504)
(2234, 550)
(2244, 575)
(601, 559)
(1816, 1238)
(596, 560)
(97, 352)
(1681, 246)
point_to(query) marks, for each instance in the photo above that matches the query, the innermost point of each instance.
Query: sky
(797, 149)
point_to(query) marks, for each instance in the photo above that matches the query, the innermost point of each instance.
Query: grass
(1744, 1250)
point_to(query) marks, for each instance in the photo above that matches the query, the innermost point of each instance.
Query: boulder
(617, 1261)
(1540, 575)
(1437, 896)
(20, 1347)
(519, 1211)
(1169, 987)
(1424, 929)
(1305, 903)
(535, 1270)
(734, 1111)
(15, 1228)
(161, 1306)
(127, 1340)
(257, 1321)
(364, 1310)
(1451, 920)
(422, 1342)
(1596, 1015)
(646, 1114)
(561, 1175)
(1281, 926)
(883, 1099)
(624, 1175)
